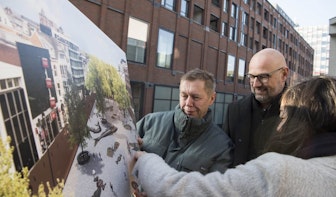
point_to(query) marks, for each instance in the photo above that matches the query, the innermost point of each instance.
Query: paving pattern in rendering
(112, 142)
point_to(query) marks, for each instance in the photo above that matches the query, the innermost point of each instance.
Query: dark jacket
(238, 125)
(185, 143)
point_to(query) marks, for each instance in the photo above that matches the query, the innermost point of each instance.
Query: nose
(189, 101)
(255, 82)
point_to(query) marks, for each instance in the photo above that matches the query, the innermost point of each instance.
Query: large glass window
(198, 15)
(241, 71)
(185, 8)
(18, 128)
(219, 107)
(165, 98)
(230, 68)
(169, 4)
(137, 40)
(165, 49)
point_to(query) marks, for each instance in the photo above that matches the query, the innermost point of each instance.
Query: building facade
(332, 51)
(164, 39)
(34, 72)
(318, 38)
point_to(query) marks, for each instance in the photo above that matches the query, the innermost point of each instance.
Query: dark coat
(238, 124)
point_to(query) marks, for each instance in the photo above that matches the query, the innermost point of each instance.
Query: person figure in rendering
(187, 138)
(250, 121)
(300, 159)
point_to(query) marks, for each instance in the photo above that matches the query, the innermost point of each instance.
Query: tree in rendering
(105, 81)
(77, 120)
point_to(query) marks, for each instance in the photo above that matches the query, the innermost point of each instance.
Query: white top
(271, 174)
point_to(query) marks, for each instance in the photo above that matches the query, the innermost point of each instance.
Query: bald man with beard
(252, 120)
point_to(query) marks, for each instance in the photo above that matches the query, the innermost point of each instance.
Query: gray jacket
(272, 174)
(185, 143)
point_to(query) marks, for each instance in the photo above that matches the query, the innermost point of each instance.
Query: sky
(308, 12)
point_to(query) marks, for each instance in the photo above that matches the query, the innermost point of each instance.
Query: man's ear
(285, 73)
(213, 98)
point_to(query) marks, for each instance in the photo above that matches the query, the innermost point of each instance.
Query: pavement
(110, 148)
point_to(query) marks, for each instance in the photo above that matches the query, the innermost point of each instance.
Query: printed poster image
(62, 77)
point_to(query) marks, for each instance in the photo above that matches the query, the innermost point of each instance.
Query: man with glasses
(251, 121)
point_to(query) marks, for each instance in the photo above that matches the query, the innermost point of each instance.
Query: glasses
(263, 78)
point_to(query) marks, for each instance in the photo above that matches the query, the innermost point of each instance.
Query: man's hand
(138, 192)
(138, 154)
(140, 142)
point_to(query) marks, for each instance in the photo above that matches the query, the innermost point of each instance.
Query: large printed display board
(48, 48)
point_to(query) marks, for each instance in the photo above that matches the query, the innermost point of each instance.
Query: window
(185, 8)
(17, 127)
(136, 41)
(274, 22)
(245, 19)
(169, 4)
(233, 33)
(214, 23)
(258, 27)
(252, 23)
(252, 5)
(165, 49)
(243, 39)
(241, 71)
(265, 32)
(220, 106)
(224, 29)
(234, 11)
(165, 98)
(274, 41)
(225, 5)
(251, 43)
(230, 68)
(266, 15)
(256, 45)
(259, 8)
(198, 15)
(215, 2)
